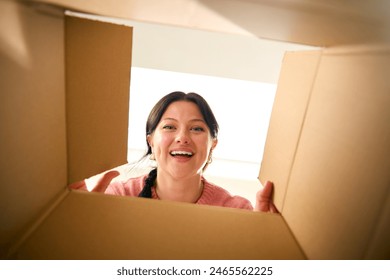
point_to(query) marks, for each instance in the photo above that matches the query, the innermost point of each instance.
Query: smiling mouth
(181, 154)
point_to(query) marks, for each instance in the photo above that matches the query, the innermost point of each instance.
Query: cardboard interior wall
(60, 127)
(32, 108)
(328, 151)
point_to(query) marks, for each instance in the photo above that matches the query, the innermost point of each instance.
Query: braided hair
(149, 182)
(155, 117)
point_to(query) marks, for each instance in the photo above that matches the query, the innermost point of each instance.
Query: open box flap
(96, 226)
(287, 118)
(337, 188)
(98, 64)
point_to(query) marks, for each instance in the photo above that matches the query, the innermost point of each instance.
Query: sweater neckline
(204, 194)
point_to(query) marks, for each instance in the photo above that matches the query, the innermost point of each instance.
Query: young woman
(181, 133)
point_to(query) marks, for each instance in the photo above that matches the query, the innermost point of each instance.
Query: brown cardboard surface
(32, 115)
(327, 153)
(96, 226)
(319, 23)
(288, 114)
(378, 248)
(337, 194)
(58, 124)
(93, 226)
(98, 63)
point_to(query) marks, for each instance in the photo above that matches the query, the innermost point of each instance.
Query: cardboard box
(76, 225)
(327, 152)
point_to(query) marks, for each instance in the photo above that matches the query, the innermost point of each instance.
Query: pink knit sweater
(211, 195)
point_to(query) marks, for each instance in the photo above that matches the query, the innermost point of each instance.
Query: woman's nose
(182, 137)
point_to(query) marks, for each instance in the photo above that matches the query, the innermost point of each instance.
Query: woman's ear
(149, 139)
(214, 143)
(150, 143)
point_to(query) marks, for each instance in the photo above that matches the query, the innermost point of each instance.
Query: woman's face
(181, 142)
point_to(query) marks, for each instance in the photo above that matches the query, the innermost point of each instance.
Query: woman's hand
(264, 199)
(101, 184)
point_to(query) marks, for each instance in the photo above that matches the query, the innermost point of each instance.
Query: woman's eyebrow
(192, 120)
(197, 120)
(169, 119)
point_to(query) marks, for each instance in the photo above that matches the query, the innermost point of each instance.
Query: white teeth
(181, 153)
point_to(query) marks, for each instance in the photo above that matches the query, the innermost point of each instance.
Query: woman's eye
(168, 127)
(198, 129)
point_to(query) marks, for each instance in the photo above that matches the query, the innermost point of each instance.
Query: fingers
(78, 186)
(264, 199)
(105, 180)
(101, 184)
(266, 193)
